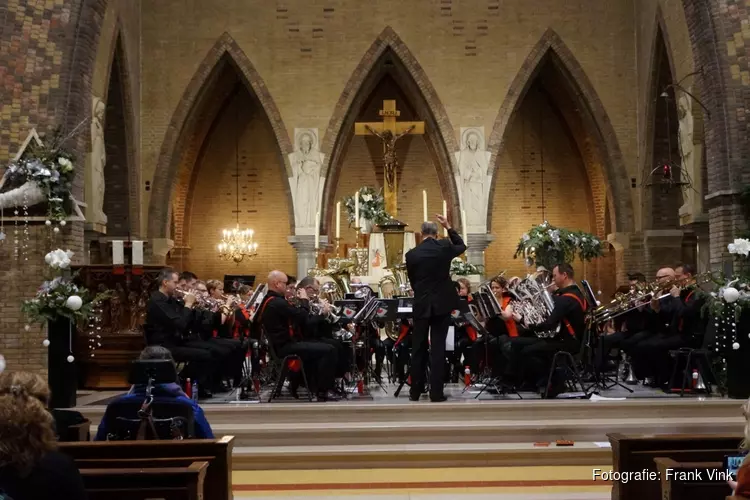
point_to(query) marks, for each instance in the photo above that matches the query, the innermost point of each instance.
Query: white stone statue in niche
(690, 156)
(472, 179)
(306, 182)
(95, 191)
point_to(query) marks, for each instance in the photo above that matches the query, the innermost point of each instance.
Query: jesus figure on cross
(389, 152)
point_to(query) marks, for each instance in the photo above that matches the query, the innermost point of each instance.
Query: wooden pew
(631, 453)
(168, 483)
(691, 480)
(150, 454)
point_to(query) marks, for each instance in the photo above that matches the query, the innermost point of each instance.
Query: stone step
(374, 433)
(397, 455)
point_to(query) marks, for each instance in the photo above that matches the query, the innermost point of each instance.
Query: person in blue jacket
(138, 393)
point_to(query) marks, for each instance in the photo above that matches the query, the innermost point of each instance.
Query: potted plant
(60, 304)
(546, 245)
(461, 268)
(371, 209)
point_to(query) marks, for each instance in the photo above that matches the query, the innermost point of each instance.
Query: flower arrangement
(60, 296)
(371, 206)
(461, 268)
(545, 245)
(44, 173)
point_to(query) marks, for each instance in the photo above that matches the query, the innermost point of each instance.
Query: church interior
(175, 170)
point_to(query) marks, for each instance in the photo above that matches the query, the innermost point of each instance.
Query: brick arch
(116, 49)
(420, 91)
(551, 48)
(184, 120)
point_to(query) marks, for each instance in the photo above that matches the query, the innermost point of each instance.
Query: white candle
(463, 225)
(356, 209)
(317, 230)
(338, 220)
(424, 204)
(445, 214)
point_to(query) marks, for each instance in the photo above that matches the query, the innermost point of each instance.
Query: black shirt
(167, 320)
(281, 320)
(687, 318)
(568, 311)
(55, 477)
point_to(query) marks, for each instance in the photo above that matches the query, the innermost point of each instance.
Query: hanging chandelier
(237, 244)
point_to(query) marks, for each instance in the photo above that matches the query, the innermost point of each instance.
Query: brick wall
(46, 63)
(295, 43)
(262, 194)
(519, 198)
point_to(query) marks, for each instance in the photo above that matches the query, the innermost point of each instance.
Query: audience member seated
(30, 465)
(164, 391)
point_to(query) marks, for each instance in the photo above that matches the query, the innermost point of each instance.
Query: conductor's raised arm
(458, 246)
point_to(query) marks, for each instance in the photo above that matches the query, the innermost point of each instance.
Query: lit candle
(356, 209)
(424, 204)
(317, 230)
(445, 214)
(463, 225)
(338, 220)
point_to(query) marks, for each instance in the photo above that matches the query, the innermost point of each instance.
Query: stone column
(663, 247)
(477, 244)
(160, 247)
(304, 244)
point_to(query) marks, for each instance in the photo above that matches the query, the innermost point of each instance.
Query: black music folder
(349, 307)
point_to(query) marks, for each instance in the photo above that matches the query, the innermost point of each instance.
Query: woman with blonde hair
(30, 465)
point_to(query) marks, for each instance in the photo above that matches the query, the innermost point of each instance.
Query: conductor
(435, 297)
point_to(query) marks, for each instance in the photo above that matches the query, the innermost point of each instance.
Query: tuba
(340, 273)
(395, 284)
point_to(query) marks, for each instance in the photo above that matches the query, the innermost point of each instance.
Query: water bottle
(188, 389)
(467, 376)
(695, 378)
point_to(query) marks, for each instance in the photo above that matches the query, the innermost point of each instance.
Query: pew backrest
(145, 454)
(136, 483)
(691, 480)
(631, 453)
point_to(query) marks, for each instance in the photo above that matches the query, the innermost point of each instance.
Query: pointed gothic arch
(185, 117)
(112, 55)
(551, 49)
(389, 54)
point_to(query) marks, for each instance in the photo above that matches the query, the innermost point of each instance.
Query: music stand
(349, 307)
(592, 342)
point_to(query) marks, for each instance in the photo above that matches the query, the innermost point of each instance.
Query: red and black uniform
(282, 324)
(208, 326)
(569, 314)
(686, 329)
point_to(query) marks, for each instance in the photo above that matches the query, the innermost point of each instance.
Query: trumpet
(317, 305)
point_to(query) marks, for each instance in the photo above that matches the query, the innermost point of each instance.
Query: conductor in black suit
(435, 297)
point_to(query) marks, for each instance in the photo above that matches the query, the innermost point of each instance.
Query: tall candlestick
(463, 225)
(317, 230)
(445, 214)
(356, 209)
(338, 220)
(424, 204)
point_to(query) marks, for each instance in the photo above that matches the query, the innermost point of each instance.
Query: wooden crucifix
(389, 131)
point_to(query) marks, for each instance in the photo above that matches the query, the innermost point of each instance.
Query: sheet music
(404, 310)
(450, 339)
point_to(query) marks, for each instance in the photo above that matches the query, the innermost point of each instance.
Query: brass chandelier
(237, 244)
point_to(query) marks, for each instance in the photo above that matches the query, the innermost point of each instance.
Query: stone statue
(306, 181)
(690, 160)
(389, 153)
(95, 195)
(685, 117)
(472, 180)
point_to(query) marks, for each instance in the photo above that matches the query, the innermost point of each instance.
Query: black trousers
(629, 344)
(651, 357)
(437, 327)
(537, 357)
(320, 362)
(343, 355)
(232, 356)
(607, 343)
(202, 364)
